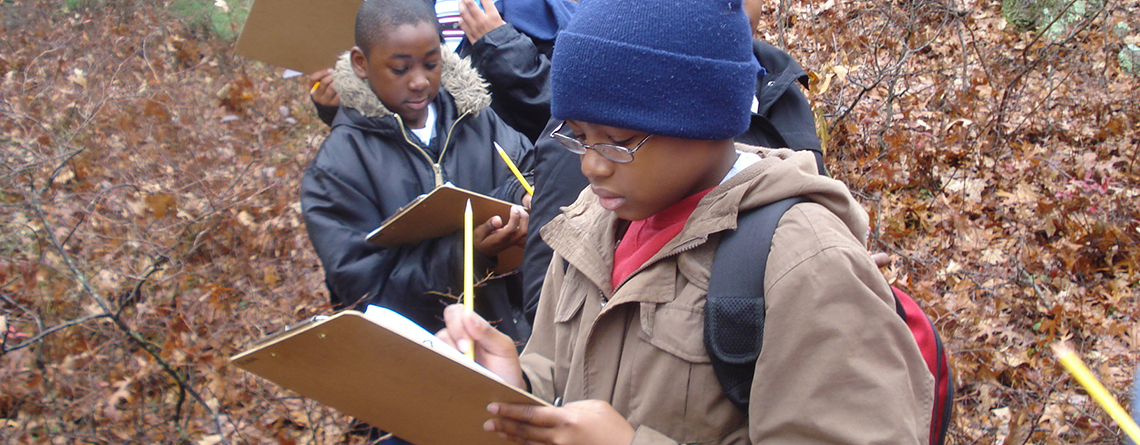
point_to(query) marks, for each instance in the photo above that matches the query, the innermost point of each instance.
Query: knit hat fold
(673, 68)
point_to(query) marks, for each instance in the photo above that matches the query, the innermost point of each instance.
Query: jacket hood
(781, 73)
(458, 78)
(781, 173)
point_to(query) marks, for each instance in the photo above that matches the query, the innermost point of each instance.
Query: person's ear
(359, 62)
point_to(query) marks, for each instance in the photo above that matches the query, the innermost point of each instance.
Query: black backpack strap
(734, 309)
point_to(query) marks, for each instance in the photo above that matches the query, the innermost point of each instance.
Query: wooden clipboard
(440, 213)
(381, 377)
(303, 35)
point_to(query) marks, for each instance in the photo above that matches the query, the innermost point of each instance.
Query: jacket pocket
(677, 392)
(571, 297)
(676, 328)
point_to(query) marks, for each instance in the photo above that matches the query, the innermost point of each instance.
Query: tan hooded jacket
(838, 365)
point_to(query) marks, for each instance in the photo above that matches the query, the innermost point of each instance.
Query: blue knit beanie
(674, 68)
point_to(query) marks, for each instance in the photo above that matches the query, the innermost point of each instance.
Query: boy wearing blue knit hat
(653, 91)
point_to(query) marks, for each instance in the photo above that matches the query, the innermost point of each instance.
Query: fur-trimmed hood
(458, 78)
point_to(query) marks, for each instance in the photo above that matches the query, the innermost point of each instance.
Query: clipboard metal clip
(290, 328)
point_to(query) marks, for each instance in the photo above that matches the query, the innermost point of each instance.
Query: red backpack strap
(734, 315)
(930, 344)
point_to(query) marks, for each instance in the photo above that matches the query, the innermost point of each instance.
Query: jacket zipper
(436, 169)
(686, 246)
(446, 144)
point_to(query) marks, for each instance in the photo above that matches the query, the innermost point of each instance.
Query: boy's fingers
(445, 336)
(455, 327)
(463, 328)
(520, 432)
(469, 7)
(482, 231)
(494, 235)
(323, 92)
(320, 80)
(512, 220)
(881, 259)
(531, 414)
(524, 219)
(516, 228)
(470, 12)
(489, 7)
(476, 21)
(490, 225)
(319, 74)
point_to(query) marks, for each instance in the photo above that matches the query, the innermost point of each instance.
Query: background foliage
(149, 225)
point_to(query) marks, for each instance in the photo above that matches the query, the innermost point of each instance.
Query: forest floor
(150, 225)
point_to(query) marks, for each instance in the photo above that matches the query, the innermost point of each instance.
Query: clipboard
(376, 374)
(440, 213)
(303, 35)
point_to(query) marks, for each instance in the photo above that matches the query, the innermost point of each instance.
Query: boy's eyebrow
(411, 56)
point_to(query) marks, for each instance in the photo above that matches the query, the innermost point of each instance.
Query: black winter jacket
(517, 67)
(371, 165)
(783, 119)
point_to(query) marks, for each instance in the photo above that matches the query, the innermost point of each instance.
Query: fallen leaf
(212, 439)
(78, 77)
(160, 204)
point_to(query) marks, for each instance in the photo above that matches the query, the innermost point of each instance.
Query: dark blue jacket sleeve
(558, 182)
(522, 153)
(326, 113)
(517, 68)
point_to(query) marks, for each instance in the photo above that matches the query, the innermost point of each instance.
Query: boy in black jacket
(514, 57)
(413, 117)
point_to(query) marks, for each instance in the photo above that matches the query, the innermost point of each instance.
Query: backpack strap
(734, 315)
(734, 308)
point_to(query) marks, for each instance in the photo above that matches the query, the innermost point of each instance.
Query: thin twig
(150, 348)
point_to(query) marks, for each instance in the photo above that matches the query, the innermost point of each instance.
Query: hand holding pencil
(466, 330)
(321, 89)
(514, 169)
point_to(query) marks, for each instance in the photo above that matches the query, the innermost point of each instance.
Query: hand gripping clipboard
(391, 381)
(440, 213)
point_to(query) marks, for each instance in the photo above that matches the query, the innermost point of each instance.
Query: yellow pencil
(468, 267)
(314, 89)
(1077, 368)
(515, 170)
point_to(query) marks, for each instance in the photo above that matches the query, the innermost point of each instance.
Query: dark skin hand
(493, 237)
(881, 259)
(476, 21)
(324, 93)
(583, 422)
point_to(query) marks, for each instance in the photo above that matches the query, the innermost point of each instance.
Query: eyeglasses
(612, 152)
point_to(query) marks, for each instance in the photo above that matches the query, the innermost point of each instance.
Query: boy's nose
(594, 165)
(418, 82)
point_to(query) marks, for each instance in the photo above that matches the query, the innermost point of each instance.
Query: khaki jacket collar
(584, 234)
